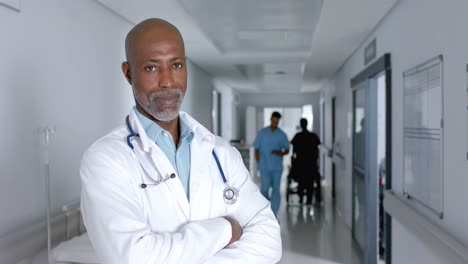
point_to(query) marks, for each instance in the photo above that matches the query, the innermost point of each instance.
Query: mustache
(166, 93)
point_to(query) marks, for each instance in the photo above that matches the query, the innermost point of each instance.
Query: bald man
(162, 188)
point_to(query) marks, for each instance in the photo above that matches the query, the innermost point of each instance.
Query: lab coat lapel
(174, 185)
(159, 163)
(200, 178)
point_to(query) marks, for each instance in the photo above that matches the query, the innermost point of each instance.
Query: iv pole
(47, 131)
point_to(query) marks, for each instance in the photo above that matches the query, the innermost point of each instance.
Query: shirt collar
(154, 131)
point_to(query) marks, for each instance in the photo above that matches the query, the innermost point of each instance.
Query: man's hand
(277, 152)
(236, 229)
(280, 152)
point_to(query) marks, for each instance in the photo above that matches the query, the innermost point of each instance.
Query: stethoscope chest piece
(230, 195)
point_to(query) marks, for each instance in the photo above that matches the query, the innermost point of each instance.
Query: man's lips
(167, 99)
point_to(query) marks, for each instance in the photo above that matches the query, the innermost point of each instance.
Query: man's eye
(150, 68)
(178, 65)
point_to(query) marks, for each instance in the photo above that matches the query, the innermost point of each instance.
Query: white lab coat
(129, 224)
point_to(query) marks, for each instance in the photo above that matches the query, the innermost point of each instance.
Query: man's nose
(166, 78)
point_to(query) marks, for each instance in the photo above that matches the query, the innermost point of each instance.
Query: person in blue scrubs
(271, 144)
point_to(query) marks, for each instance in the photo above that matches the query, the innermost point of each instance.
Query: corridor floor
(316, 235)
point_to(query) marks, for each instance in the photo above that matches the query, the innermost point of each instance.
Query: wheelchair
(292, 188)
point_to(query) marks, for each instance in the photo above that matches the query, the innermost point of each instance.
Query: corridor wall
(413, 32)
(61, 67)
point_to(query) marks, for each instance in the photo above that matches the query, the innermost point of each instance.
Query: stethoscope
(230, 194)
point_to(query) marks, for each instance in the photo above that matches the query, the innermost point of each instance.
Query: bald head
(156, 70)
(152, 29)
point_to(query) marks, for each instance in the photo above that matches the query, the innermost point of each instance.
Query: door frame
(216, 108)
(322, 155)
(383, 64)
(333, 168)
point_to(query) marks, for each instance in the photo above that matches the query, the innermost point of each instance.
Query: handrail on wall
(452, 250)
(68, 210)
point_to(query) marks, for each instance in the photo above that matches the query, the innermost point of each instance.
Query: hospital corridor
(233, 131)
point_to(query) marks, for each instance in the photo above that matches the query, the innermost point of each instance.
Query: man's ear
(126, 71)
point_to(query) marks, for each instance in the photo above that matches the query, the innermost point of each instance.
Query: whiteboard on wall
(422, 134)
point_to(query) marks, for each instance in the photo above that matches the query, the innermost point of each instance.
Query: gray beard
(166, 114)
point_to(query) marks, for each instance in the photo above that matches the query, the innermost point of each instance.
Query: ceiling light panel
(256, 26)
(274, 76)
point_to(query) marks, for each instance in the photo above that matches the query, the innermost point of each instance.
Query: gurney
(76, 248)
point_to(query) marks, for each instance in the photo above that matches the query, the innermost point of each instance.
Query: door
(371, 148)
(359, 167)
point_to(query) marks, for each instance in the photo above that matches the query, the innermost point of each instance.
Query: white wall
(250, 124)
(315, 101)
(197, 101)
(415, 31)
(60, 65)
(343, 105)
(229, 103)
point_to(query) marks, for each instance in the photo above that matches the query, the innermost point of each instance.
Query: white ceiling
(265, 45)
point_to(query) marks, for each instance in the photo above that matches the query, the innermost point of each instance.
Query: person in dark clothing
(304, 163)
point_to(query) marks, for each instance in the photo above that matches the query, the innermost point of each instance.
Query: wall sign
(370, 51)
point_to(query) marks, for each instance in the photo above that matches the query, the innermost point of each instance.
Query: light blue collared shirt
(180, 156)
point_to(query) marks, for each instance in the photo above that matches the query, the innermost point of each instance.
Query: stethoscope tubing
(219, 167)
(133, 134)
